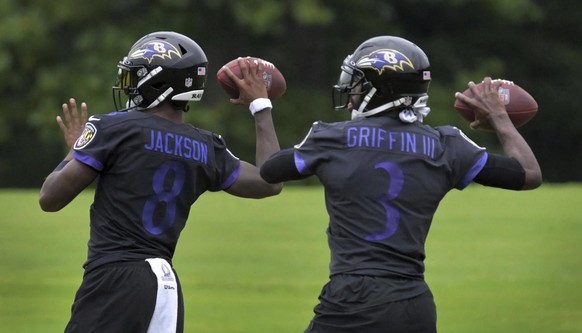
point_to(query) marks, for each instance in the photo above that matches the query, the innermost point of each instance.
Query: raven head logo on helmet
(161, 66)
(384, 73)
(385, 59)
(157, 48)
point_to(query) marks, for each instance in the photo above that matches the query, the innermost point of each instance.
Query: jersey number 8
(163, 198)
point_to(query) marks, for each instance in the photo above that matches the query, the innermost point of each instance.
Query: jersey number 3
(164, 197)
(392, 214)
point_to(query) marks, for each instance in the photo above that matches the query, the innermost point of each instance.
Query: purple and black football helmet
(161, 66)
(387, 73)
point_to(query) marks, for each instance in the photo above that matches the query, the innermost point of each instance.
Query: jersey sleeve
(227, 167)
(311, 151)
(281, 167)
(94, 145)
(465, 157)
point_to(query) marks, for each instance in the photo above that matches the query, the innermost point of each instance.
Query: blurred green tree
(70, 48)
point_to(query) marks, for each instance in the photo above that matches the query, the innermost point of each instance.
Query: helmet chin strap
(361, 110)
(415, 112)
(160, 98)
(131, 106)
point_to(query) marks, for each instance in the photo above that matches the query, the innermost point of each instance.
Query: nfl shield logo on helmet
(188, 82)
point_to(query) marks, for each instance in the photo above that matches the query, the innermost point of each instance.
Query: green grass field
(497, 261)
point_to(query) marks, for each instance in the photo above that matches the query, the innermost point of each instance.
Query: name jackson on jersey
(177, 145)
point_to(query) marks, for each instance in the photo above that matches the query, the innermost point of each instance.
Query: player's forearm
(55, 193)
(266, 138)
(514, 145)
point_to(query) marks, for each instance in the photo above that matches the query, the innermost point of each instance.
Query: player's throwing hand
(72, 125)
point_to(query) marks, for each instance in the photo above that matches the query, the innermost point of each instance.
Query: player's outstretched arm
(253, 93)
(490, 109)
(71, 176)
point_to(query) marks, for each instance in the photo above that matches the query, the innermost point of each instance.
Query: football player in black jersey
(384, 173)
(151, 167)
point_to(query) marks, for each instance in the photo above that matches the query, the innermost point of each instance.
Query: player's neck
(168, 112)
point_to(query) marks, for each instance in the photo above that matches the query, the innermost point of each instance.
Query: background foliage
(70, 48)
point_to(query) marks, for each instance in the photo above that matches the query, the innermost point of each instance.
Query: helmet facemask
(351, 83)
(127, 83)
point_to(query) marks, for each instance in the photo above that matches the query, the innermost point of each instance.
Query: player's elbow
(47, 205)
(276, 189)
(533, 180)
(270, 190)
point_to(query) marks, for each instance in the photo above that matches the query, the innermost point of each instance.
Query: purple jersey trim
(475, 169)
(228, 183)
(88, 160)
(300, 164)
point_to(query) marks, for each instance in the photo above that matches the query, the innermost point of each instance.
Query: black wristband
(62, 165)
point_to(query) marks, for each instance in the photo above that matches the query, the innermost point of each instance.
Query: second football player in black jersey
(384, 173)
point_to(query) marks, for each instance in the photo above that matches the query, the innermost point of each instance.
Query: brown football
(274, 80)
(520, 105)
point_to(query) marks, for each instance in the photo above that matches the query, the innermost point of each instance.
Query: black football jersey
(151, 171)
(383, 182)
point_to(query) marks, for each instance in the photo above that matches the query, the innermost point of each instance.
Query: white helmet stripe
(192, 95)
(151, 74)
